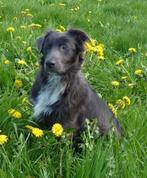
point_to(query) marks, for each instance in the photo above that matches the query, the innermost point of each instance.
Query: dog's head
(62, 51)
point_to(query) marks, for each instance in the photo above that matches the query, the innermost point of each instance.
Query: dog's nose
(50, 64)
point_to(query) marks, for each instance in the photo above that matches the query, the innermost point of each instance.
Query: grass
(119, 25)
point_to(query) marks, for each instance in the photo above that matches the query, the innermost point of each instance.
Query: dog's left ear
(79, 36)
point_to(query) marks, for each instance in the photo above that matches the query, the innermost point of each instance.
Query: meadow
(116, 67)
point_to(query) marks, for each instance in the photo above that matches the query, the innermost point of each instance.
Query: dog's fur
(60, 92)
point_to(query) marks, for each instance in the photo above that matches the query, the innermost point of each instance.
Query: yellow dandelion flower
(29, 15)
(37, 132)
(14, 113)
(127, 100)
(57, 129)
(18, 84)
(21, 62)
(23, 26)
(138, 72)
(29, 49)
(131, 85)
(124, 77)
(33, 25)
(101, 58)
(14, 18)
(120, 62)
(89, 47)
(112, 109)
(29, 127)
(6, 61)
(3, 139)
(10, 29)
(61, 4)
(120, 103)
(132, 50)
(115, 83)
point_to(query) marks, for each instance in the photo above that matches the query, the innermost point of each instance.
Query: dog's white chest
(49, 95)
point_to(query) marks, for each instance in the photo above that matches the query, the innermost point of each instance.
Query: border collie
(60, 92)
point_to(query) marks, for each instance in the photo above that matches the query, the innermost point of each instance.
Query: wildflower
(35, 131)
(138, 72)
(18, 84)
(89, 47)
(57, 129)
(29, 15)
(14, 18)
(124, 77)
(120, 103)
(14, 113)
(132, 50)
(112, 109)
(23, 26)
(60, 29)
(21, 62)
(6, 61)
(10, 29)
(131, 85)
(120, 62)
(29, 49)
(3, 139)
(115, 83)
(33, 25)
(61, 4)
(127, 100)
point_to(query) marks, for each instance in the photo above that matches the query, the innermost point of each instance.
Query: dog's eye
(63, 47)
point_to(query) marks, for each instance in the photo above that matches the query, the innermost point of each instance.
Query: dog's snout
(50, 64)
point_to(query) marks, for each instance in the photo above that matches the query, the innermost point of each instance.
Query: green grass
(119, 25)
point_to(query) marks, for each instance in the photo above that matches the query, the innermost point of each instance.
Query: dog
(60, 92)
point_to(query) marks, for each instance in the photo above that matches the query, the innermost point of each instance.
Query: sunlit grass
(116, 67)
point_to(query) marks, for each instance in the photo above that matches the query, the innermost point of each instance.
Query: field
(116, 67)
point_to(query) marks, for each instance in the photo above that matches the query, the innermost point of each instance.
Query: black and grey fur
(60, 92)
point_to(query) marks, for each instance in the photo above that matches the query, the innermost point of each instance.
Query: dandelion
(29, 49)
(57, 129)
(112, 109)
(14, 18)
(14, 113)
(124, 77)
(10, 29)
(120, 103)
(30, 15)
(6, 61)
(21, 62)
(35, 131)
(60, 29)
(23, 26)
(89, 47)
(127, 100)
(138, 72)
(120, 62)
(115, 83)
(131, 85)
(18, 84)
(61, 4)
(3, 139)
(132, 50)
(33, 25)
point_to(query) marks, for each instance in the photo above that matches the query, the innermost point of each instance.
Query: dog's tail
(119, 129)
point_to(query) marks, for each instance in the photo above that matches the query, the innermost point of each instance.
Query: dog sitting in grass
(60, 93)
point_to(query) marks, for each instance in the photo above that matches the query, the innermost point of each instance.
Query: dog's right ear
(41, 40)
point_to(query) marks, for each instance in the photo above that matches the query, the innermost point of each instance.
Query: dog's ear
(41, 40)
(80, 36)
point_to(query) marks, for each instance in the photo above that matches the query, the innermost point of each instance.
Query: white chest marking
(49, 95)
